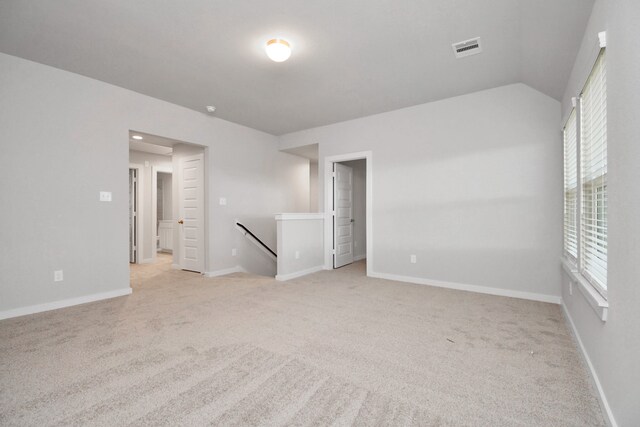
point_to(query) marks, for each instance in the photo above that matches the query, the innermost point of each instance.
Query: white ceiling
(350, 58)
(146, 147)
(154, 139)
(153, 144)
(308, 151)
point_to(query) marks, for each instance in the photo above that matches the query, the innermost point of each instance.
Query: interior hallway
(334, 346)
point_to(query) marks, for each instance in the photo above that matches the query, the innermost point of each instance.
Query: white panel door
(342, 215)
(191, 205)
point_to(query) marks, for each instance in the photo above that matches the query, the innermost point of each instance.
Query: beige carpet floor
(332, 348)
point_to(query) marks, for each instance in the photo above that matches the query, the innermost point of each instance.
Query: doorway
(348, 205)
(162, 202)
(170, 217)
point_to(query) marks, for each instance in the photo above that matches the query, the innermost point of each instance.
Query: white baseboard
(176, 267)
(604, 403)
(148, 261)
(23, 311)
(224, 272)
(471, 288)
(360, 257)
(284, 277)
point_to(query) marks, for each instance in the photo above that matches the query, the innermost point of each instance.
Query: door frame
(328, 203)
(139, 207)
(209, 223)
(154, 202)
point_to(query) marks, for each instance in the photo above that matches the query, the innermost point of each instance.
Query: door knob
(353, 220)
(180, 222)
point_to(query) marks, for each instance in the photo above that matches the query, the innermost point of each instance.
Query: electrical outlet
(58, 276)
(105, 196)
(234, 252)
(223, 201)
(413, 259)
(297, 255)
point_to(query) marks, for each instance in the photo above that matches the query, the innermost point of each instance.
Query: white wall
(313, 186)
(66, 137)
(586, 56)
(300, 244)
(472, 185)
(359, 207)
(147, 246)
(613, 347)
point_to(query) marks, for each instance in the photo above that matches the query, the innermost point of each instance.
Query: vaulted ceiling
(350, 58)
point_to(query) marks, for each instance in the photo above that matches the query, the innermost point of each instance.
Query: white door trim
(140, 218)
(328, 202)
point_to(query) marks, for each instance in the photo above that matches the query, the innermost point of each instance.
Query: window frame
(592, 183)
(594, 294)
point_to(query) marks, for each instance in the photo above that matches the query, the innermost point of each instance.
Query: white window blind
(593, 150)
(570, 187)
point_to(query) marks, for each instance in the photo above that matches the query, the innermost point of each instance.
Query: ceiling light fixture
(278, 50)
(138, 137)
(211, 109)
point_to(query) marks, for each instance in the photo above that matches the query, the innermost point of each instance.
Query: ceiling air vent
(467, 47)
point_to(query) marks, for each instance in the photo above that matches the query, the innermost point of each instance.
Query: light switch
(223, 201)
(105, 196)
(234, 252)
(413, 259)
(58, 276)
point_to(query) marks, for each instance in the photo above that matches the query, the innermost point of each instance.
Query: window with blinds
(570, 188)
(593, 176)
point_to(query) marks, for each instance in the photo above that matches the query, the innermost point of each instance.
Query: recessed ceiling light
(211, 109)
(138, 137)
(278, 50)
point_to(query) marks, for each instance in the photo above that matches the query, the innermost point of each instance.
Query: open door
(191, 208)
(342, 215)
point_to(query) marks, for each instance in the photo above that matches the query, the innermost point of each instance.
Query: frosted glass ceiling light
(278, 50)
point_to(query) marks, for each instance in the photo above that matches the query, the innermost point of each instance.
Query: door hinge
(333, 213)
(333, 174)
(333, 252)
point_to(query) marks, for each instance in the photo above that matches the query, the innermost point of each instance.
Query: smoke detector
(467, 47)
(211, 109)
